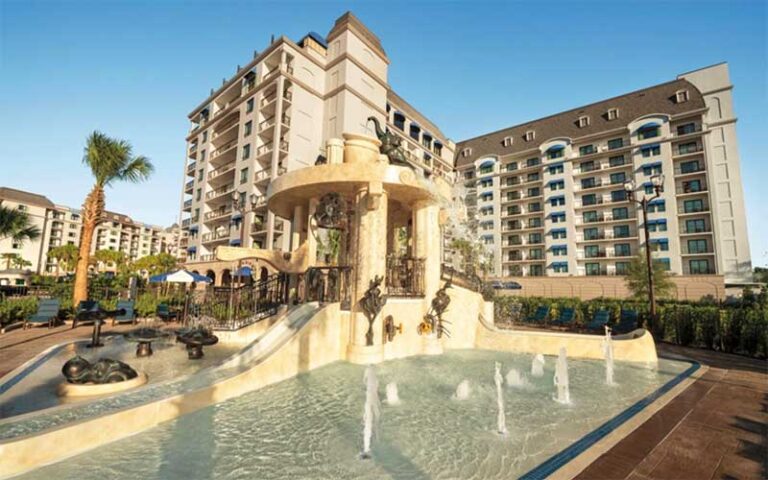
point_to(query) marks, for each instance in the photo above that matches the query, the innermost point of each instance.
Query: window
(557, 217)
(617, 178)
(622, 268)
(664, 263)
(618, 195)
(559, 234)
(690, 167)
(486, 197)
(511, 167)
(592, 251)
(535, 271)
(200, 174)
(532, 177)
(613, 113)
(621, 213)
(205, 137)
(592, 268)
(649, 131)
(534, 238)
(692, 186)
(590, 216)
(486, 183)
(591, 234)
(535, 254)
(534, 192)
(616, 161)
(248, 128)
(560, 267)
(466, 152)
(615, 143)
(246, 151)
(557, 201)
(554, 153)
(534, 223)
(507, 142)
(529, 136)
(621, 231)
(426, 141)
(657, 206)
(648, 188)
(558, 185)
(534, 207)
(690, 147)
(469, 175)
(686, 129)
(532, 162)
(588, 166)
(657, 226)
(697, 246)
(485, 170)
(590, 199)
(513, 196)
(681, 96)
(660, 245)
(583, 121)
(695, 226)
(589, 183)
(691, 206)
(587, 150)
(399, 121)
(249, 105)
(560, 250)
(622, 250)
(202, 156)
(414, 132)
(651, 170)
(198, 194)
(555, 169)
(243, 176)
(651, 151)
(699, 267)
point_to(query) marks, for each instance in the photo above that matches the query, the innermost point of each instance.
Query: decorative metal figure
(372, 303)
(390, 329)
(195, 338)
(433, 320)
(391, 145)
(80, 371)
(144, 337)
(331, 211)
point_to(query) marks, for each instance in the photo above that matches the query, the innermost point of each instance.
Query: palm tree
(14, 224)
(9, 259)
(110, 160)
(19, 263)
(65, 256)
(106, 257)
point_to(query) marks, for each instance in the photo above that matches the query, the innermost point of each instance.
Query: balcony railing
(208, 257)
(187, 204)
(690, 189)
(191, 167)
(217, 214)
(189, 185)
(405, 276)
(694, 230)
(213, 236)
(221, 170)
(224, 148)
(220, 191)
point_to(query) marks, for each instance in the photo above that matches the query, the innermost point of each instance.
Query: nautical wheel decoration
(331, 211)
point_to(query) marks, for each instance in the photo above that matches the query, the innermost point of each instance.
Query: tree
(15, 224)
(14, 260)
(114, 257)
(65, 256)
(637, 278)
(154, 264)
(110, 160)
(331, 246)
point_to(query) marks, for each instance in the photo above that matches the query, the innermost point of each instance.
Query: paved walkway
(716, 429)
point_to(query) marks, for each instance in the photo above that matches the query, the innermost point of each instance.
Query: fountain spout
(371, 410)
(537, 366)
(393, 397)
(561, 378)
(608, 354)
(462, 391)
(501, 421)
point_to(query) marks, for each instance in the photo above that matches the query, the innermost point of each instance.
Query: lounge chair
(83, 308)
(627, 323)
(599, 320)
(165, 313)
(129, 316)
(47, 312)
(540, 316)
(565, 318)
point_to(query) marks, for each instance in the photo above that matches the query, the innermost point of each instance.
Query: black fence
(405, 276)
(324, 285)
(226, 308)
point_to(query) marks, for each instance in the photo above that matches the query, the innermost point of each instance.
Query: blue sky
(135, 69)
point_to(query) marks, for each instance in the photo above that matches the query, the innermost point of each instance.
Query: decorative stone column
(334, 150)
(427, 245)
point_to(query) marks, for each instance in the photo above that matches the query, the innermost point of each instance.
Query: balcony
(216, 236)
(216, 214)
(267, 148)
(187, 205)
(191, 168)
(684, 250)
(689, 189)
(219, 192)
(224, 169)
(681, 152)
(604, 217)
(682, 210)
(229, 146)
(589, 186)
(208, 257)
(696, 230)
(188, 186)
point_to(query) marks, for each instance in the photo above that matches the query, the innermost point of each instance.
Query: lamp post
(658, 187)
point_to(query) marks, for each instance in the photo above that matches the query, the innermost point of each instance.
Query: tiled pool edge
(569, 462)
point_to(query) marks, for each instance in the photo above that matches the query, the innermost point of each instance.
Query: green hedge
(736, 328)
(14, 310)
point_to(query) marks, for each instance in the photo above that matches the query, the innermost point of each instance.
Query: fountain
(608, 353)
(393, 397)
(371, 410)
(106, 375)
(195, 338)
(501, 421)
(561, 378)
(515, 378)
(144, 337)
(463, 390)
(537, 366)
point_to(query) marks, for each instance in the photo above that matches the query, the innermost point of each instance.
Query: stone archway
(263, 273)
(226, 277)
(212, 275)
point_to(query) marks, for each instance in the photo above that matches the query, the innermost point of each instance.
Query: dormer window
(681, 96)
(583, 121)
(529, 136)
(466, 152)
(613, 113)
(507, 141)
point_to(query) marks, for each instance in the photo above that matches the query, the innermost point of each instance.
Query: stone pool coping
(571, 461)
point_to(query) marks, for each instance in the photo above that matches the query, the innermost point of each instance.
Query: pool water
(310, 426)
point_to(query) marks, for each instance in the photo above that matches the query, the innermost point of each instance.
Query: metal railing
(232, 308)
(325, 285)
(405, 276)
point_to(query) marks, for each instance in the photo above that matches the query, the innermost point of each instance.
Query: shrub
(14, 310)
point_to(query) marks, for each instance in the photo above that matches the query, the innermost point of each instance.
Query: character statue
(80, 371)
(433, 320)
(391, 145)
(372, 303)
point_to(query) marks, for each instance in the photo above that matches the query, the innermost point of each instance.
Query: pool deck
(716, 429)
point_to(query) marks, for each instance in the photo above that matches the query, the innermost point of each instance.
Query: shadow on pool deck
(715, 429)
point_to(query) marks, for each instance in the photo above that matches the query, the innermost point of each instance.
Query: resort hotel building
(275, 115)
(551, 195)
(61, 225)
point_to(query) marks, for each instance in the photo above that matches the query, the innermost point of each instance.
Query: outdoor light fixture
(629, 186)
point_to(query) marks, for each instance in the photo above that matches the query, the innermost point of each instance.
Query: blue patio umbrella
(244, 271)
